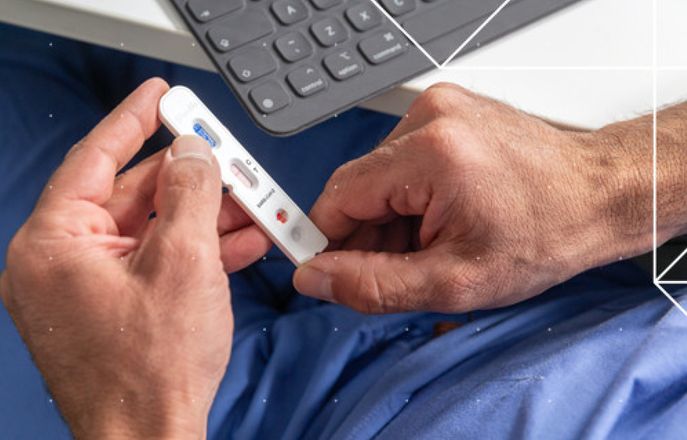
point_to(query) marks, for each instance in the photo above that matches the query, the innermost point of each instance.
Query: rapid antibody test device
(183, 113)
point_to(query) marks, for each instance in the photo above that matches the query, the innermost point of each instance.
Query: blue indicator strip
(202, 132)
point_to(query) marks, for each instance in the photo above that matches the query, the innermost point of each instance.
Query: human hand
(468, 204)
(129, 320)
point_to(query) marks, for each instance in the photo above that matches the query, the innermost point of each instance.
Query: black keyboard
(293, 63)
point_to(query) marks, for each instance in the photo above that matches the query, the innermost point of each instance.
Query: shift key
(382, 47)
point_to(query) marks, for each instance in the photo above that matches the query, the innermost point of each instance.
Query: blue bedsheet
(601, 356)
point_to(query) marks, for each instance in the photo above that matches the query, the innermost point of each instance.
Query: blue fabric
(603, 355)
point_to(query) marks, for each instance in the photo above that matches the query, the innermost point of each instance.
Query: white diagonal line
(670, 266)
(654, 164)
(671, 299)
(422, 49)
(474, 34)
(408, 36)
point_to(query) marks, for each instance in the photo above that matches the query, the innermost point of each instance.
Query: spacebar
(447, 17)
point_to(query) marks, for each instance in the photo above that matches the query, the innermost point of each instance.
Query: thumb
(188, 195)
(371, 282)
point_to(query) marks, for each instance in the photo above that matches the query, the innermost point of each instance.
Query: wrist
(617, 170)
(137, 417)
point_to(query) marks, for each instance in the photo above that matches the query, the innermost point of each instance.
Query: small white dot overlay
(550, 400)
(264, 329)
(620, 329)
(121, 186)
(407, 400)
(336, 186)
(264, 258)
(50, 187)
(406, 258)
(407, 187)
(478, 329)
(264, 400)
(336, 258)
(336, 329)
(548, 329)
(49, 258)
(121, 400)
(121, 44)
(477, 258)
(50, 115)
(336, 400)
(50, 329)
(50, 400)
(407, 329)
(121, 329)
(50, 44)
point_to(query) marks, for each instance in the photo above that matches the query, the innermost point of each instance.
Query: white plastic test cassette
(249, 184)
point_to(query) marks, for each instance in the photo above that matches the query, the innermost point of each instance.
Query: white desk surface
(585, 66)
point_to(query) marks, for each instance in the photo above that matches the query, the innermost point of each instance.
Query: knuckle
(182, 248)
(377, 160)
(379, 290)
(439, 99)
(441, 137)
(191, 175)
(359, 289)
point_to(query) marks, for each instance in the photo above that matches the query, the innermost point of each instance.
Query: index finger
(89, 169)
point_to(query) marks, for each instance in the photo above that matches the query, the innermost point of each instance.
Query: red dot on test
(282, 216)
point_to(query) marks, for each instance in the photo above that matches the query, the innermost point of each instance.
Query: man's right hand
(471, 204)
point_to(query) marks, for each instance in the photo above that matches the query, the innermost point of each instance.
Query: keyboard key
(206, 10)
(427, 26)
(400, 7)
(269, 97)
(293, 47)
(239, 29)
(329, 31)
(382, 47)
(343, 65)
(252, 64)
(325, 4)
(364, 16)
(289, 11)
(306, 81)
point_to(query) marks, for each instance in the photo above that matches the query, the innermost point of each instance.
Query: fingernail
(191, 147)
(312, 282)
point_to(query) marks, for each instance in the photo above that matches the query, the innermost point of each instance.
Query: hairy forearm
(626, 167)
